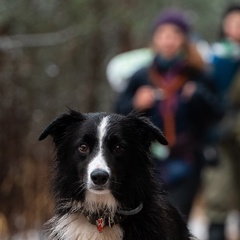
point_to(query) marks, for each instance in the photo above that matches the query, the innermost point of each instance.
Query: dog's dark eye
(118, 148)
(83, 148)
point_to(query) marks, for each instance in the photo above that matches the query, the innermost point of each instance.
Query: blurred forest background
(53, 55)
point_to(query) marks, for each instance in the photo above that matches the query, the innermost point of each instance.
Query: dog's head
(99, 153)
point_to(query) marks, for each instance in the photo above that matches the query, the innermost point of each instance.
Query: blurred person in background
(173, 93)
(221, 178)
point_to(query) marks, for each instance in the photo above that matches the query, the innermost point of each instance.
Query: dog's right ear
(58, 127)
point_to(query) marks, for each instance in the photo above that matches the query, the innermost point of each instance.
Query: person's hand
(144, 98)
(188, 90)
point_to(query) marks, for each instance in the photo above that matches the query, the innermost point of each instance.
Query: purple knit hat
(173, 16)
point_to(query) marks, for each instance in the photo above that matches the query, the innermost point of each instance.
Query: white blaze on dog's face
(98, 172)
(99, 175)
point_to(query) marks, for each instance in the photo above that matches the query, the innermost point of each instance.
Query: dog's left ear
(148, 128)
(58, 127)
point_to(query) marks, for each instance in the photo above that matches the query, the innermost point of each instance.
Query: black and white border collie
(105, 184)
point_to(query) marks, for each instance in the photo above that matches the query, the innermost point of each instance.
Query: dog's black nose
(99, 177)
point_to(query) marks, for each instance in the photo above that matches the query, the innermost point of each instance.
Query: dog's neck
(104, 217)
(102, 210)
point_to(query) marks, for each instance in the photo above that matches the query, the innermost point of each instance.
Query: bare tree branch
(40, 39)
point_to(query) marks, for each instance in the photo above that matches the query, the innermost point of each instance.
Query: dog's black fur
(126, 150)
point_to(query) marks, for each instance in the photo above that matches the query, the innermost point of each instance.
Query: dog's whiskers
(81, 187)
(115, 182)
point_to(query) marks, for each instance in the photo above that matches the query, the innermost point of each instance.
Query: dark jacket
(190, 117)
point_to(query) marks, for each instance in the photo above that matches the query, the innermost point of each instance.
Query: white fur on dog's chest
(76, 227)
